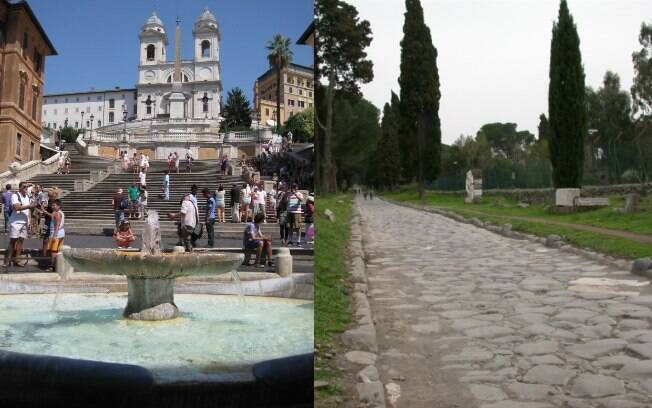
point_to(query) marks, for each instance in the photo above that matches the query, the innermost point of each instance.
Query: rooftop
(17, 4)
(91, 91)
(291, 66)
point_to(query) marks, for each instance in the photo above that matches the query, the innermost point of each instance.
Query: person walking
(310, 220)
(187, 217)
(170, 162)
(294, 213)
(142, 176)
(120, 203)
(235, 203)
(246, 201)
(262, 202)
(132, 191)
(220, 203)
(67, 163)
(282, 215)
(57, 232)
(166, 185)
(125, 161)
(135, 163)
(176, 161)
(18, 225)
(209, 216)
(6, 203)
(188, 162)
(142, 202)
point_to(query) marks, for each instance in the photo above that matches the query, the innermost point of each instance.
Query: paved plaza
(469, 318)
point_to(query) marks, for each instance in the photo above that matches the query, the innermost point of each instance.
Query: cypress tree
(387, 160)
(566, 107)
(419, 81)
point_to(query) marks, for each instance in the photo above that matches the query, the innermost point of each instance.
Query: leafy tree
(566, 106)
(506, 141)
(386, 162)
(279, 57)
(302, 126)
(543, 128)
(69, 134)
(642, 98)
(419, 81)
(609, 118)
(237, 113)
(343, 62)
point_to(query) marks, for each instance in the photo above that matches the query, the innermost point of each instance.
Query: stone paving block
(594, 386)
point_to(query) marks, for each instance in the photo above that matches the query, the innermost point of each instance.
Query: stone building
(200, 77)
(23, 48)
(297, 92)
(89, 109)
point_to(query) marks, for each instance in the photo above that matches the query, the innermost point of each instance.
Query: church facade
(200, 78)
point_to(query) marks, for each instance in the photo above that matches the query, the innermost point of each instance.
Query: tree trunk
(420, 147)
(328, 176)
(278, 100)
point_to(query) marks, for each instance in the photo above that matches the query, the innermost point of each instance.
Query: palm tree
(279, 57)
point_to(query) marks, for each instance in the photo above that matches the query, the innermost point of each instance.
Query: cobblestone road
(469, 318)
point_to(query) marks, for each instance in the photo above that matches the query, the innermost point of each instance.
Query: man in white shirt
(187, 216)
(143, 177)
(18, 224)
(262, 200)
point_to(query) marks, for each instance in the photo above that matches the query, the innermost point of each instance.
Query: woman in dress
(220, 203)
(124, 236)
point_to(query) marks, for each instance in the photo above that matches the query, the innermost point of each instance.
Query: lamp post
(82, 124)
(124, 129)
(92, 118)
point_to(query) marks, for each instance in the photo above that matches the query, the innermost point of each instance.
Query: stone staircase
(90, 212)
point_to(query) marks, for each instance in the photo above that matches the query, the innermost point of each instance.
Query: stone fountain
(151, 273)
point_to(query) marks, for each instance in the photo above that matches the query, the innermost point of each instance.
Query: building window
(19, 141)
(25, 41)
(99, 109)
(38, 59)
(99, 97)
(290, 89)
(300, 92)
(266, 111)
(310, 105)
(77, 99)
(88, 123)
(55, 111)
(206, 48)
(56, 100)
(308, 84)
(66, 101)
(88, 98)
(34, 104)
(301, 104)
(76, 125)
(21, 95)
(185, 78)
(110, 117)
(205, 104)
(290, 102)
(111, 103)
(99, 123)
(65, 110)
(151, 52)
(31, 151)
(310, 94)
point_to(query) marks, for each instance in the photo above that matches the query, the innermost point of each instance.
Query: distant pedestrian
(166, 186)
(67, 163)
(365, 195)
(142, 176)
(282, 215)
(188, 163)
(142, 202)
(18, 224)
(187, 217)
(262, 202)
(125, 161)
(235, 203)
(209, 216)
(135, 163)
(132, 190)
(120, 203)
(170, 162)
(246, 201)
(220, 203)
(176, 161)
(294, 213)
(310, 220)
(6, 204)
(61, 162)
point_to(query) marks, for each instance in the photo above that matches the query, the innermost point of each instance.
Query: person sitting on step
(256, 241)
(124, 237)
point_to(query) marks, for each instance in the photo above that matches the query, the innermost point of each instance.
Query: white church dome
(206, 21)
(154, 23)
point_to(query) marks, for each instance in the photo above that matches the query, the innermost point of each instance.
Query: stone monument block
(565, 197)
(473, 186)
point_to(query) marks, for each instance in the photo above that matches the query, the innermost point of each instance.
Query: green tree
(506, 141)
(69, 134)
(609, 118)
(419, 81)
(237, 113)
(279, 57)
(343, 62)
(642, 99)
(386, 162)
(543, 128)
(302, 126)
(566, 107)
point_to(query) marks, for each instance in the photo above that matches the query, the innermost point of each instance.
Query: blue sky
(97, 40)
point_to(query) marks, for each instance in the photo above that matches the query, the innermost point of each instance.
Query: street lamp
(124, 131)
(82, 123)
(92, 118)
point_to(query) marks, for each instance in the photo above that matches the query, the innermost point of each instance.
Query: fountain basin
(150, 277)
(219, 349)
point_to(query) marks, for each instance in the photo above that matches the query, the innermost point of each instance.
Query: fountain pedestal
(146, 295)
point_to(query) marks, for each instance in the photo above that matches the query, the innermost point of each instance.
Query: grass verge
(331, 279)
(498, 210)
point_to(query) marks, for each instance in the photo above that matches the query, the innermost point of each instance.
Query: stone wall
(547, 195)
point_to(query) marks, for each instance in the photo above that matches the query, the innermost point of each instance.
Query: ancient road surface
(468, 318)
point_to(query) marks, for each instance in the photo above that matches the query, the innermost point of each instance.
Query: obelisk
(177, 98)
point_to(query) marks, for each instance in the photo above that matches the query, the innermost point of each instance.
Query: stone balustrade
(18, 172)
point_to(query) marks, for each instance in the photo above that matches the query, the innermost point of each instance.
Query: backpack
(124, 203)
(11, 207)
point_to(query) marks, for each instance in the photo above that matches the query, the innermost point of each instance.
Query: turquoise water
(216, 336)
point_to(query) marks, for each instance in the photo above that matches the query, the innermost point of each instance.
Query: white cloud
(493, 55)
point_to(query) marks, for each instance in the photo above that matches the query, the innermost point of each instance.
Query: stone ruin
(473, 186)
